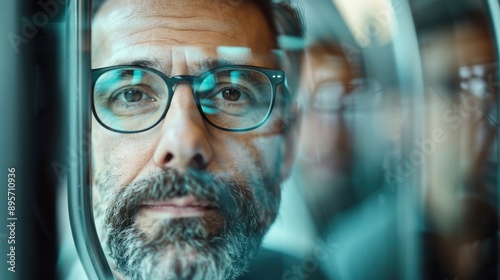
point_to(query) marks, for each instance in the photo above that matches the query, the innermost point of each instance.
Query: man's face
(184, 199)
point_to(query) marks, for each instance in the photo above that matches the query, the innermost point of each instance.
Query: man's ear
(291, 133)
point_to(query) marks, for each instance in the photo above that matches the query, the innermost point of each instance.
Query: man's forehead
(182, 12)
(126, 31)
(249, 19)
(140, 5)
(159, 12)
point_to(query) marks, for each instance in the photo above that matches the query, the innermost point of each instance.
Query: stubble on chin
(215, 246)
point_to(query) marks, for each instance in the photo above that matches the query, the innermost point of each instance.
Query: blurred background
(32, 137)
(397, 170)
(396, 175)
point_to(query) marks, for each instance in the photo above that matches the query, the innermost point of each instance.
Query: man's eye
(133, 95)
(231, 94)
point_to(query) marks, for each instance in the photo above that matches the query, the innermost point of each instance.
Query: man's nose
(184, 142)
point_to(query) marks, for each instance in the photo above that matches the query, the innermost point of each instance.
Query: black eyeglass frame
(275, 76)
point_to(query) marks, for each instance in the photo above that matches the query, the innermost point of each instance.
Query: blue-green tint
(137, 77)
(208, 84)
(210, 110)
(236, 77)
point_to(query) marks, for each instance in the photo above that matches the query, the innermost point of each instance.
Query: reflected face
(184, 200)
(326, 145)
(325, 142)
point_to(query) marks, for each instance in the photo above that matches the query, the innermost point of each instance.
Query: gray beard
(214, 246)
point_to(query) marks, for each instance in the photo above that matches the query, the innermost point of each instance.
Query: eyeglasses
(131, 99)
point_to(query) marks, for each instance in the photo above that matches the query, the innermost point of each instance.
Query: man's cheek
(99, 210)
(272, 153)
(257, 151)
(103, 147)
(122, 155)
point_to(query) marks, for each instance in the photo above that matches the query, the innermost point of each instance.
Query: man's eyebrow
(143, 62)
(208, 64)
(198, 68)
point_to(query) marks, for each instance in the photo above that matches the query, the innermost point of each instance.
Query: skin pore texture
(184, 200)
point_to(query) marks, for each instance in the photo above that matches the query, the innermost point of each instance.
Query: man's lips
(187, 206)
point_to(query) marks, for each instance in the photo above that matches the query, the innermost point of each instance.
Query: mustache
(228, 238)
(169, 183)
